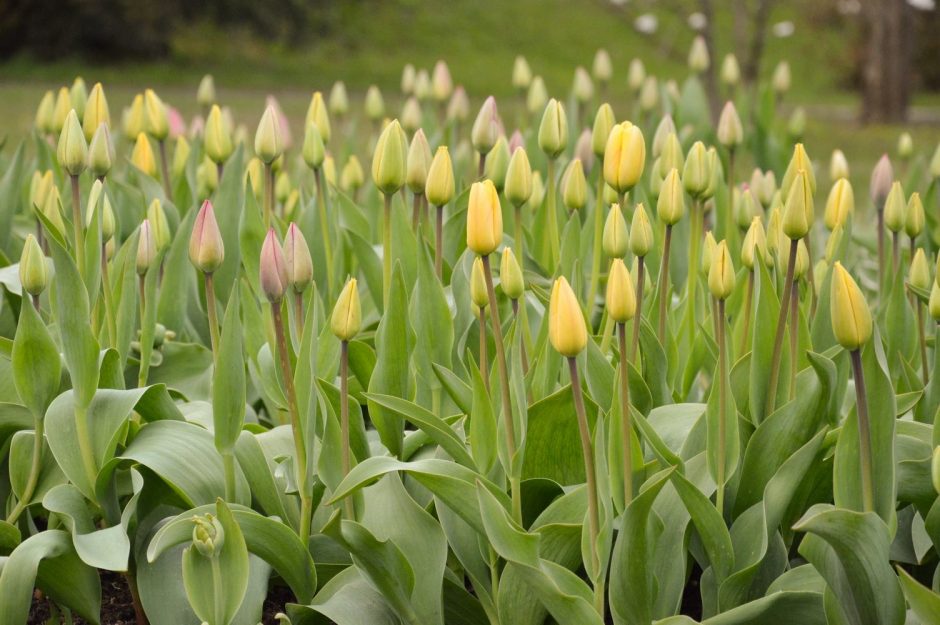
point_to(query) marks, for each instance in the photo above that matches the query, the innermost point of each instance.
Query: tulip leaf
(924, 602)
(107, 548)
(228, 381)
(552, 447)
(36, 363)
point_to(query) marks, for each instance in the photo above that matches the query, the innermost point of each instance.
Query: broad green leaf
(347, 599)
(107, 548)
(37, 366)
(766, 306)
(924, 601)
(431, 313)
(552, 448)
(21, 458)
(228, 382)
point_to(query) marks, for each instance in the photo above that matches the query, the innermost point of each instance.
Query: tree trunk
(886, 79)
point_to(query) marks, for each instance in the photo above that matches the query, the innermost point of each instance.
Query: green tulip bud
(297, 259)
(63, 104)
(604, 122)
(218, 139)
(838, 166)
(282, 186)
(895, 207)
(716, 177)
(339, 101)
(671, 204)
(33, 271)
(665, 128)
(518, 187)
(313, 149)
(781, 78)
(582, 88)
(411, 115)
(553, 131)
(159, 225)
(755, 244)
(636, 75)
(72, 151)
(208, 535)
(180, 157)
(419, 161)
(268, 140)
(935, 469)
(458, 109)
(497, 163)
(205, 95)
(833, 243)
(799, 162)
(389, 159)
(352, 176)
(96, 112)
(935, 164)
(919, 275)
(478, 292)
(710, 245)
(672, 156)
(747, 208)
(730, 131)
(621, 295)
(840, 204)
(905, 146)
(698, 55)
(538, 189)
(797, 124)
(439, 188)
(510, 275)
(603, 67)
(798, 214)
(317, 114)
(207, 178)
(100, 152)
(347, 314)
(107, 219)
(408, 75)
(695, 174)
(616, 239)
(155, 114)
(422, 85)
(721, 273)
(774, 234)
(521, 74)
(914, 217)
(641, 232)
(374, 105)
(78, 96)
(45, 113)
(146, 248)
(730, 70)
(851, 317)
(485, 129)
(574, 192)
(934, 305)
(537, 97)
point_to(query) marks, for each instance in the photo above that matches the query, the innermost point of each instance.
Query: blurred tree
(886, 75)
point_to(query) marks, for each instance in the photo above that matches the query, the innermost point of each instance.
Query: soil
(117, 607)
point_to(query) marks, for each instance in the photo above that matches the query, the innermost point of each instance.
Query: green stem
(664, 285)
(518, 237)
(895, 252)
(748, 297)
(771, 400)
(218, 595)
(106, 295)
(34, 468)
(86, 451)
(864, 432)
(345, 450)
(387, 249)
(508, 424)
(268, 194)
(923, 342)
(597, 252)
(640, 276)
(879, 210)
(626, 425)
(228, 467)
(439, 243)
(695, 242)
(323, 207)
(722, 406)
(522, 350)
(794, 336)
(165, 170)
(144, 366)
(552, 216)
(78, 225)
(484, 364)
(416, 212)
(213, 317)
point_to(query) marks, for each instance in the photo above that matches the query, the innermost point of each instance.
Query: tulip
(604, 122)
(142, 156)
(485, 130)
(389, 159)
(34, 275)
(905, 146)
(781, 78)
(273, 269)
(218, 140)
(45, 114)
(63, 104)
(624, 157)
(798, 214)
(838, 166)
(318, 115)
(158, 225)
(510, 274)
(374, 104)
(484, 219)
(411, 115)
(458, 109)
(935, 164)
(72, 152)
(346, 318)
(521, 74)
(894, 209)
(146, 248)
(574, 194)
(205, 94)
(417, 164)
(566, 329)
(100, 152)
(721, 273)
(155, 117)
(934, 304)
(621, 295)
(442, 85)
(206, 249)
(695, 173)
(603, 67)
(636, 75)
(730, 71)
(408, 74)
(582, 88)
(439, 190)
(839, 205)
(914, 218)
(96, 112)
(339, 100)
(422, 88)
(299, 268)
(730, 131)
(497, 163)
(616, 239)
(518, 186)
(78, 95)
(671, 156)
(553, 131)
(698, 55)
(268, 138)
(352, 176)
(537, 97)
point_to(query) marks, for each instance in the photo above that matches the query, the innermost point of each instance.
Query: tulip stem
(519, 243)
(518, 319)
(106, 295)
(77, 225)
(298, 299)
(664, 285)
(587, 450)
(439, 243)
(484, 367)
(748, 298)
(144, 366)
(35, 299)
(508, 422)
(879, 209)
(640, 276)
(552, 215)
(387, 249)
(306, 504)
(695, 242)
(349, 509)
(416, 212)
(228, 468)
(794, 335)
(268, 203)
(771, 400)
(864, 431)
(482, 166)
(323, 207)
(722, 407)
(34, 469)
(923, 341)
(728, 217)
(626, 423)
(165, 170)
(895, 251)
(212, 314)
(597, 252)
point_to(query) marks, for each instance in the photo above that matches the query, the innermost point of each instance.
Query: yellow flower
(671, 203)
(484, 218)
(604, 122)
(695, 173)
(566, 328)
(755, 244)
(919, 275)
(347, 314)
(155, 112)
(621, 296)
(641, 232)
(389, 159)
(510, 275)
(72, 151)
(553, 131)
(142, 156)
(218, 140)
(616, 239)
(851, 317)
(96, 111)
(574, 193)
(624, 157)
(418, 163)
(798, 214)
(478, 293)
(840, 204)
(914, 219)
(317, 114)
(721, 273)
(895, 208)
(439, 187)
(518, 187)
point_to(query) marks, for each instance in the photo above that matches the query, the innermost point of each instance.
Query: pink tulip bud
(516, 141)
(273, 268)
(206, 250)
(297, 259)
(881, 178)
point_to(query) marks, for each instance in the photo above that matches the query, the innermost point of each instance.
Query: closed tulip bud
(78, 95)
(439, 188)
(72, 151)
(389, 159)
(273, 269)
(641, 232)
(664, 129)
(422, 85)
(747, 208)
(142, 156)
(518, 187)
(411, 115)
(52, 209)
(107, 219)
(497, 163)
(914, 216)
(774, 234)
(521, 74)
(695, 174)
(313, 150)
(767, 188)
(895, 207)
(636, 75)
(553, 131)
(797, 124)
(485, 129)
(317, 114)
(566, 328)
(510, 275)
(755, 244)
(408, 75)
(935, 164)
(603, 68)
(721, 273)
(484, 219)
(458, 109)
(92, 204)
(39, 186)
(33, 272)
(730, 70)
(159, 225)
(582, 88)
(347, 314)
(624, 157)
(419, 161)
(254, 175)
(205, 94)
(730, 131)
(919, 275)
(208, 536)
(146, 248)
(905, 146)
(649, 94)
(716, 177)
(833, 243)
(621, 295)
(802, 260)
(698, 55)
(374, 104)
(671, 204)
(584, 151)
(616, 239)
(157, 124)
(574, 193)
(672, 155)
(352, 176)
(881, 178)
(442, 85)
(478, 293)
(838, 166)
(282, 186)
(934, 305)
(537, 97)
(798, 213)
(206, 249)
(63, 104)
(218, 139)
(538, 189)
(840, 204)
(100, 152)
(781, 78)
(207, 178)
(268, 141)
(799, 162)
(45, 113)
(339, 100)
(297, 259)
(96, 112)
(851, 317)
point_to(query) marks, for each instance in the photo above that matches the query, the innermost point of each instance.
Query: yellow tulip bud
(207, 178)
(439, 187)
(708, 252)
(159, 225)
(206, 249)
(905, 146)
(521, 73)
(485, 129)
(934, 305)
(715, 175)
(672, 155)
(96, 112)
(895, 207)
(574, 193)
(352, 176)
(339, 100)
(33, 272)
(747, 208)
(317, 114)
(142, 156)
(881, 177)
(63, 104)
(389, 159)
(730, 70)
(411, 115)
(497, 163)
(721, 273)
(419, 161)
(553, 131)
(45, 113)
(919, 275)
(510, 275)
(313, 150)
(604, 122)
(155, 115)
(347, 314)
(422, 85)
(518, 187)
(797, 124)
(218, 140)
(603, 67)
(205, 95)
(478, 293)
(268, 139)
(914, 216)
(282, 186)
(621, 296)
(851, 317)
(781, 78)
(799, 162)
(798, 214)
(671, 203)
(582, 88)
(641, 232)
(100, 152)
(840, 204)
(616, 239)
(624, 157)
(78, 96)
(695, 174)
(730, 130)
(698, 55)
(838, 166)
(72, 151)
(802, 260)
(636, 75)
(566, 328)
(146, 248)
(297, 259)
(774, 235)
(537, 97)
(374, 104)
(755, 244)
(484, 218)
